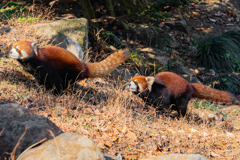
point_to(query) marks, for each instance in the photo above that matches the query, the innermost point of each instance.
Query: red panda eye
(17, 49)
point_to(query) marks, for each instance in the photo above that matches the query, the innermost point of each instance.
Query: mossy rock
(122, 7)
(149, 61)
(150, 36)
(71, 34)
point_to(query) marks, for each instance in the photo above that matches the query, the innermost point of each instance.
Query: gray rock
(183, 71)
(178, 25)
(14, 119)
(123, 73)
(178, 157)
(150, 36)
(155, 54)
(6, 30)
(70, 146)
(59, 33)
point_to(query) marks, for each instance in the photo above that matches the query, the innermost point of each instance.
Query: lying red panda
(58, 68)
(169, 89)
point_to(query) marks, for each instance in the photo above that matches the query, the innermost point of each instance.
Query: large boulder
(150, 36)
(183, 71)
(71, 34)
(155, 55)
(14, 119)
(70, 146)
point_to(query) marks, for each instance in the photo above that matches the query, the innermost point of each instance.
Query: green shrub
(227, 82)
(10, 8)
(111, 39)
(156, 9)
(219, 53)
(234, 35)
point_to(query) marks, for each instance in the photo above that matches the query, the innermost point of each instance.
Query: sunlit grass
(115, 119)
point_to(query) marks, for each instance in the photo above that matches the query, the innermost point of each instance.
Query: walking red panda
(167, 88)
(57, 67)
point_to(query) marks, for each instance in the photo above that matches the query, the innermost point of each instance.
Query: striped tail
(105, 67)
(205, 92)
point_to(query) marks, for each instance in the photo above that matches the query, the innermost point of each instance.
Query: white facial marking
(24, 54)
(14, 54)
(140, 88)
(132, 87)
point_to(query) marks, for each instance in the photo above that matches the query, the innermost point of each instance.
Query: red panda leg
(182, 103)
(50, 79)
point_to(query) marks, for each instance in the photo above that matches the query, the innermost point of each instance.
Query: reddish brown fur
(62, 67)
(205, 92)
(106, 66)
(140, 80)
(176, 85)
(176, 90)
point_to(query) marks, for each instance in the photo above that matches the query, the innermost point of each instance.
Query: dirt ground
(212, 17)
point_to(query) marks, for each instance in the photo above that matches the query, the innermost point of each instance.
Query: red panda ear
(34, 47)
(150, 81)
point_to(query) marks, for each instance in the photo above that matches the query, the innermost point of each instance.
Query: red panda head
(140, 83)
(23, 49)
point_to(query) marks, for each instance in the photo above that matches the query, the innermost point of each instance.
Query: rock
(229, 109)
(178, 157)
(70, 146)
(155, 54)
(178, 25)
(212, 8)
(123, 73)
(6, 30)
(183, 71)
(207, 115)
(14, 119)
(150, 36)
(59, 33)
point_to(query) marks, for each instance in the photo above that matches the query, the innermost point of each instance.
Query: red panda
(167, 89)
(58, 68)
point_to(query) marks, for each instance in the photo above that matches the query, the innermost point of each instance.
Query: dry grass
(112, 117)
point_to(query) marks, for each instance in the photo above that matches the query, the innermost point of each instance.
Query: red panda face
(21, 50)
(138, 84)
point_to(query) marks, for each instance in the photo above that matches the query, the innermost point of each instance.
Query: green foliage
(219, 53)
(201, 104)
(10, 8)
(227, 82)
(29, 19)
(136, 59)
(111, 39)
(206, 105)
(156, 9)
(166, 5)
(233, 35)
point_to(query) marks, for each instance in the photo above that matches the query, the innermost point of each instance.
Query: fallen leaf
(195, 13)
(132, 156)
(131, 135)
(212, 20)
(108, 143)
(161, 24)
(214, 154)
(158, 151)
(206, 30)
(219, 146)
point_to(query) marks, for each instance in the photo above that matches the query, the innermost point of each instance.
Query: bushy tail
(205, 92)
(106, 66)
